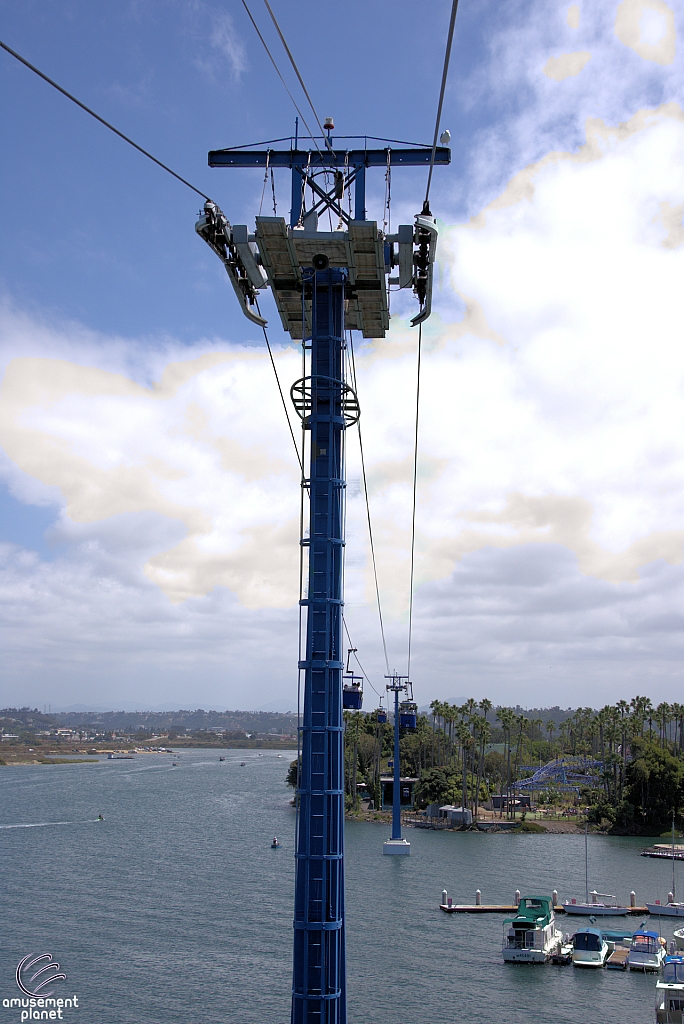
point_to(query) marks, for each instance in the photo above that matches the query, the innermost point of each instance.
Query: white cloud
(551, 455)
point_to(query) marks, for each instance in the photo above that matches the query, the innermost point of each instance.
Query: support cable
(296, 71)
(356, 659)
(272, 60)
(97, 117)
(282, 398)
(368, 516)
(413, 512)
(447, 56)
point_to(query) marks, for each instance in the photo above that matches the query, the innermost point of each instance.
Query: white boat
(670, 909)
(589, 948)
(531, 937)
(679, 938)
(669, 1002)
(596, 907)
(646, 951)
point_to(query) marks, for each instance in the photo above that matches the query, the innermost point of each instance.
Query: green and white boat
(531, 937)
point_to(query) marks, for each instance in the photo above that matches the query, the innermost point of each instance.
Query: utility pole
(322, 282)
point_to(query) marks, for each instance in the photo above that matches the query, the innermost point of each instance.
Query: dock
(617, 961)
(499, 908)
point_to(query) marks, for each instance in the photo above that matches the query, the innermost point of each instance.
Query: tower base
(397, 846)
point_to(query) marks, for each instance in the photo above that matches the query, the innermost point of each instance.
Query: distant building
(456, 815)
(406, 795)
(501, 802)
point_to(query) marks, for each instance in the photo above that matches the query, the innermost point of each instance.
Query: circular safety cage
(302, 391)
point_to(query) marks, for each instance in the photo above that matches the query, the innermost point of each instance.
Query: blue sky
(550, 510)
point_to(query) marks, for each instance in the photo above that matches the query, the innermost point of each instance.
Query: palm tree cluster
(468, 751)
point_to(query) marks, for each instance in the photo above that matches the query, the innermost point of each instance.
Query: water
(175, 909)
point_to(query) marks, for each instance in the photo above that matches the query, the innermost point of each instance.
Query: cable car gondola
(352, 688)
(408, 713)
(352, 694)
(381, 715)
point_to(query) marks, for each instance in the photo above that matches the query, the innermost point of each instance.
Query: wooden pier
(494, 908)
(617, 961)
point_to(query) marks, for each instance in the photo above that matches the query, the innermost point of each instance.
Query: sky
(149, 493)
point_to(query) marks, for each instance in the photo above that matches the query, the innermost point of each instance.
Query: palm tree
(550, 728)
(484, 732)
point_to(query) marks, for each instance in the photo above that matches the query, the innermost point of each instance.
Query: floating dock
(665, 852)
(493, 908)
(617, 961)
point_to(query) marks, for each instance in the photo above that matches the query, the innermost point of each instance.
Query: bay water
(176, 909)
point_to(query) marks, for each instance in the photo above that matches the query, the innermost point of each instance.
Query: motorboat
(596, 906)
(242, 764)
(679, 938)
(669, 1002)
(589, 948)
(531, 937)
(276, 843)
(221, 758)
(646, 951)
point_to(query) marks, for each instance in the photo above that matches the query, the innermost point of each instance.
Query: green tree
(654, 781)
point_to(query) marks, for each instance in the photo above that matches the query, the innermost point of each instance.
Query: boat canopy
(533, 912)
(588, 940)
(645, 942)
(673, 970)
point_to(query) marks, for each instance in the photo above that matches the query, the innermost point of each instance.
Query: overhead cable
(273, 62)
(447, 55)
(296, 71)
(101, 119)
(282, 398)
(368, 516)
(413, 511)
(357, 660)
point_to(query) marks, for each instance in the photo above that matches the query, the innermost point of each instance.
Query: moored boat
(597, 906)
(590, 948)
(531, 937)
(679, 938)
(670, 909)
(646, 951)
(669, 1002)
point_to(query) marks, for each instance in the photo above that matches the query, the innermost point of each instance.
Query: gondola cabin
(352, 693)
(381, 716)
(408, 715)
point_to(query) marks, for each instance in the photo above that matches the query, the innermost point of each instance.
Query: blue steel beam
(319, 971)
(325, 158)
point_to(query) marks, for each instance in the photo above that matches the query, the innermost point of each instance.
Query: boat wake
(45, 824)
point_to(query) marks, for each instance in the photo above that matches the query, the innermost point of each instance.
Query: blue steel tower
(322, 283)
(318, 984)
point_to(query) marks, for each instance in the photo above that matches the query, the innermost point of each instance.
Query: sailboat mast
(586, 866)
